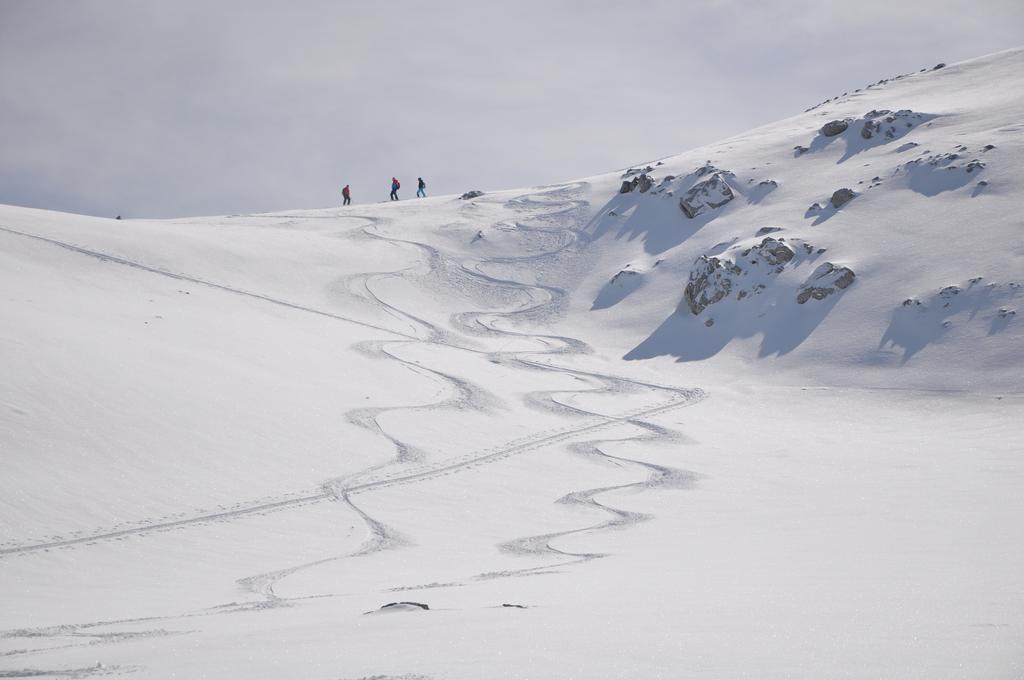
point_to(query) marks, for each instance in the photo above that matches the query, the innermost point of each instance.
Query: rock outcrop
(743, 272)
(643, 182)
(710, 281)
(834, 127)
(841, 197)
(471, 194)
(890, 125)
(707, 194)
(824, 281)
(772, 251)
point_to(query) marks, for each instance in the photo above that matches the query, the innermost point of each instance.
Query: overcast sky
(150, 108)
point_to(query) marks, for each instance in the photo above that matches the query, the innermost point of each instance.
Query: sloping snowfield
(668, 422)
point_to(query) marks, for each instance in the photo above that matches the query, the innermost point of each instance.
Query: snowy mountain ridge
(903, 190)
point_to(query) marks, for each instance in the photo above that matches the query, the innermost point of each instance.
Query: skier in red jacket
(395, 186)
(347, 195)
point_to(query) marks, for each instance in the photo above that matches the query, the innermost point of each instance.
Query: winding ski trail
(545, 215)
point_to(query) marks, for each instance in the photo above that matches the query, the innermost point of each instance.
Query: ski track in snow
(476, 323)
(544, 302)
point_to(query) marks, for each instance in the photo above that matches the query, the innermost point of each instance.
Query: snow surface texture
(401, 441)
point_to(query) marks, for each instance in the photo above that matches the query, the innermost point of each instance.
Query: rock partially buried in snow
(402, 607)
(834, 127)
(825, 280)
(708, 194)
(471, 194)
(643, 182)
(773, 251)
(841, 197)
(710, 281)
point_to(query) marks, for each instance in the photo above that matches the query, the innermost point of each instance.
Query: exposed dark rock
(709, 323)
(773, 251)
(938, 66)
(767, 230)
(825, 280)
(471, 194)
(644, 183)
(626, 187)
(409, 604)
(709, 282)
(834, 127)
(517, 606)
(711, 193)
(800, 150)
(841, 197)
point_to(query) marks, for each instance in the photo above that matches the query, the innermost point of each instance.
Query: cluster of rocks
(714, 278)
(642, 182)
(471, 194)
(889, 124)
(946, 160)
(884, 123)
(880, 83)
(951, 300)
(824, 281)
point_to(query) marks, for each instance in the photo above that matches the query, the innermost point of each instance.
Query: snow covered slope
(672, 421)
(932, 236)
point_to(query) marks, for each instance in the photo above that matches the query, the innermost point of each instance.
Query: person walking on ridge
(347, 195)
(421, 191)
(395, 186)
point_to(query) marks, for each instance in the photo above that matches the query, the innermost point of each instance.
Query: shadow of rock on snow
(933, 175)
(917, 323)
(627, 281)
(752, 288)
(874, 128)
(667, 211)
(686, 337)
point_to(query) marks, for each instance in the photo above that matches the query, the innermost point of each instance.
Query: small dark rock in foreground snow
(404, 606)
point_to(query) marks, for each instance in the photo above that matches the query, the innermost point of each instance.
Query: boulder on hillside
(773, 251)
(825, 280)
(471, 194)
(841, 197)
(643, 182)
(834, 127)
(708, 194)
(710, 281)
